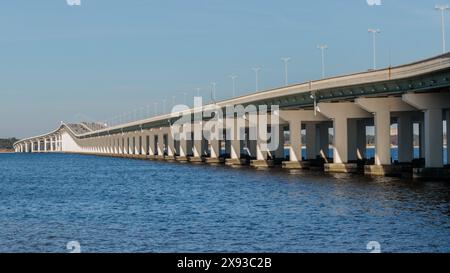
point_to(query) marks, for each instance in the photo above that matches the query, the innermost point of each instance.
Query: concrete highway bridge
(334, 113)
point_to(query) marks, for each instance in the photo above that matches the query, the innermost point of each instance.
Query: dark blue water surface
(122, 205)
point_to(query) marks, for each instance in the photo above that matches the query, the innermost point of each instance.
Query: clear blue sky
(107, 57)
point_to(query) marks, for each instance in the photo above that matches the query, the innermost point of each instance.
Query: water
(122, 205)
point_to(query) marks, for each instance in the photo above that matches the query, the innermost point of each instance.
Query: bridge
(334, 113)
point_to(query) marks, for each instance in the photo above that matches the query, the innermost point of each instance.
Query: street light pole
(257, 69)
(374, 32)
(286, 61)
(442, 9)
(322, 49)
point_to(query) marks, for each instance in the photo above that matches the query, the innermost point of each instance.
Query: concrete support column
(228, 147)
(251, 145)
(382, 108)
(422, 138)
(261, 144)
(160, 144)
(136, 148)
(101, 144)
(295, 118)
(197, 151)
(432, 104)
(405, 138)
(235, 149)
(131, 145)
(184, 137)
(144, 149)
(324, 140)
(352, 130)
(106, 144)
(170, 143)
(382, 138)
(235, 141)
(279, 152)
(341, 113)
(433, 138)
(340, 145)
(127, 144)
(120, 144)
(183, 147)
(311, 141)
(45, 145)
(447, 118)
(198, 139)
(215, 148)
(117, 145)
(295, 150)
(361, 140)
(151, 144)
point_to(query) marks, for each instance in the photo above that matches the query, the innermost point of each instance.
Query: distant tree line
(7, 143)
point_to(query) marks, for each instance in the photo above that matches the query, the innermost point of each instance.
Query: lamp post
(374, 32)
(442, 9)
(322, 49)
(286, 61)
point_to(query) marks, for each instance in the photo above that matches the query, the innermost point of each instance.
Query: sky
(108, 58)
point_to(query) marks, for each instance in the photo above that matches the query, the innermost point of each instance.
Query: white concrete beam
(382, 108)
(295, 118)
(425, 101)
(432, 104)
(301, 115)
(340, 113)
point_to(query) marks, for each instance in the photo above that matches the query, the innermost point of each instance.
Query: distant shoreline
(6, 151)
